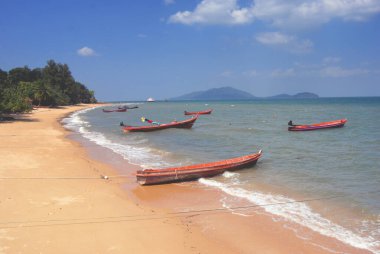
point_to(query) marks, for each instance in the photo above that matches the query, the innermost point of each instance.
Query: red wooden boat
(193, 172)
(204, 112)
(187, 124)
(115, 110)
(318, 126)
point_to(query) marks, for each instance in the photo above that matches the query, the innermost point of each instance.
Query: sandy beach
(54, 198)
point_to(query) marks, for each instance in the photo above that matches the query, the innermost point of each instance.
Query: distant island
(223, 93)
(296, 96)
(230, 93)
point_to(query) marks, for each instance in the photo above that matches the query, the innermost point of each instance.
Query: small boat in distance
(317, 126)
(193, 172)
(115, 110)
(204, 112)
(186, 124)
(150, 99)
(128, 107)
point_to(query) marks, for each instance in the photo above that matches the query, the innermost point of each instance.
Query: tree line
(22, 88)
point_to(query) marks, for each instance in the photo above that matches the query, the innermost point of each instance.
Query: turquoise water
(340, 162)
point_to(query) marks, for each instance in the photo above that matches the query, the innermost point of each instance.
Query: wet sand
(53, 199)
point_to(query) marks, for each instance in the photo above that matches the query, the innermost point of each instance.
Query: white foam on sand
(297, 212)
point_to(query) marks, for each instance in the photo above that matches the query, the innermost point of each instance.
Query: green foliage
(3, 77)
(52, 85)
(19, 74)
(15, 100)
(3, 85)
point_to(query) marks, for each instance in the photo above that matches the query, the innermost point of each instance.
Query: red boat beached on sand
(115, 110)
(317, 126)
(186, 124)
(204, 112)
(193, 172)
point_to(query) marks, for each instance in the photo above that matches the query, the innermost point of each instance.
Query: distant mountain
(281, 96)
(296, 96)
(223, 93)
(229, 93)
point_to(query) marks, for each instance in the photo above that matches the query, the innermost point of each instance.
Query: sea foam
(142, 156)
(297, 212)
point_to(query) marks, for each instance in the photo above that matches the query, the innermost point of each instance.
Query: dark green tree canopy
(53, 85)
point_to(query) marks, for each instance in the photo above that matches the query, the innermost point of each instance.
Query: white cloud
(274, 38)
(302, 46)
(288, 42)
(167, 2)
(316, 70)
(251, 73)
(283, 73)
(86, 51)
(328, 68)
(339, 72)
(331, 60)
(227, 74)
(280, 13)
(214, 12)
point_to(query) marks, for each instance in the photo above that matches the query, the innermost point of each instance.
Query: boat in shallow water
(318, 126)
(186, 124)
(115, 110)
(204, 112)
(193, 172)
(127, 107)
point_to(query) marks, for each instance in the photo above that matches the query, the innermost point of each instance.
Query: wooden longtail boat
(193, 172)
(204, 112)
(318, 126)
(115, 110)
(127, 107)
(187, 124)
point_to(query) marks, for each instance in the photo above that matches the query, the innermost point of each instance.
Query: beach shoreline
(55, 200)
(175, 196)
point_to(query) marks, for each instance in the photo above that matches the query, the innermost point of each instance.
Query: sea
(326, 180)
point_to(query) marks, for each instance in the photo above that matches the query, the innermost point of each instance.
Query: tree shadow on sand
(17, 118)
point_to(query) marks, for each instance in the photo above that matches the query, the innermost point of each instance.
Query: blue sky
(135, 49)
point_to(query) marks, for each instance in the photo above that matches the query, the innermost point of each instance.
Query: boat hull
(128, 107)
(116, 110)
(205, 112)
(318, 126)
(193, 172)
(186, 124)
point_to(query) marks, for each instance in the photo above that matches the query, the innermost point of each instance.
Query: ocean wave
(138, 156)
(74, 122)
(142, 156)
(297, 212)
